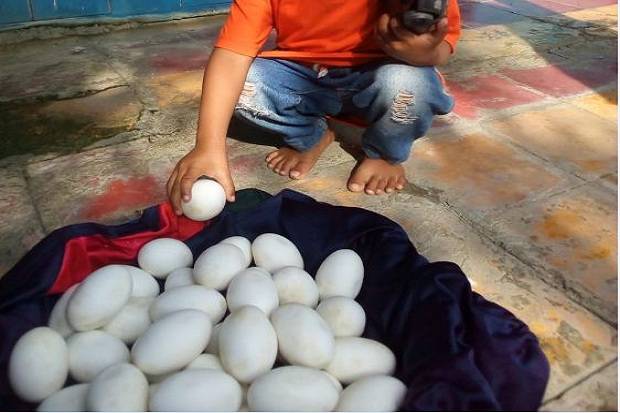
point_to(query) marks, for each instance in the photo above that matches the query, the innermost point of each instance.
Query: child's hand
(191, 167)
(426, 49)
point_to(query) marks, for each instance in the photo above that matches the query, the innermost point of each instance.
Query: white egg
(243, 244)
(69, 399)
(179, 278)
(334, 381)
(248, 344)
(158, 378)
(39, 364)
(206, 390)
(304, 338)
(161, 256)
(293, 389)
(208, 200)
(172, 342)
(143, 283)
(274, 252)
(217, 265)
(97, 300)
(58, 316)
(92, 352)
(344, 315)
(340, 274)
(119, 388)
(190, 297)
(205, 361)
(372, 394)
(357, 357)
(294, 285)
(252, 287)
(214, 343)
(132, 321)
(152, 389)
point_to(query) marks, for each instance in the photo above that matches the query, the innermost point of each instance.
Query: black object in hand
(422, 14)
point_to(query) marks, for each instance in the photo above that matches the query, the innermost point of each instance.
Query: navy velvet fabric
(455, 350)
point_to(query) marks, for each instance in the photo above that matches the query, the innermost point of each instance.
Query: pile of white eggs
(289, 342)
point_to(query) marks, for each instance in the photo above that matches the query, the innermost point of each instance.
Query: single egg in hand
(208, 200)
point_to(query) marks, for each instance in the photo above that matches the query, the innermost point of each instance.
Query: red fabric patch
(84, 255)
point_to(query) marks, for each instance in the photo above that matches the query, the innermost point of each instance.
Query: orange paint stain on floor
(123, 195)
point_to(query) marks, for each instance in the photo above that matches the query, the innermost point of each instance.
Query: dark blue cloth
(455, 350)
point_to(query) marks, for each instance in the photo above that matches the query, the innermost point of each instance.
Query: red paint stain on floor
(123, 195)
(180, 61)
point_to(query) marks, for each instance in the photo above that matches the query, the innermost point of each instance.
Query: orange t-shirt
(327, 32)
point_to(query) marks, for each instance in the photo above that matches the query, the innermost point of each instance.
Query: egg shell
(190, 297)
(69, 399)
(217, 265)
(172, 342)
(119, 388)
(132, 321)
(248, 344)
(304, 338)
(39, 364)
(99, 298)
(197, 390)
(214, 343)
(158, 378)
(143, 283)
(344, 316)
(205, 361)
(334, 381)
(91, 352)
(340, 274)
(243, 244)
(294, 285)
(294, 389)
(180, 277)
(252, 287)
(161, 256)
(274, 252)
(207, 201)
(358, 357)
(58, 316)
(373, 394)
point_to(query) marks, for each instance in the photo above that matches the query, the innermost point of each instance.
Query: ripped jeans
(397, 101)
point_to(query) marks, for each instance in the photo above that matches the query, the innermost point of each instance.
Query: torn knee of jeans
(247, 101)
(400, 108)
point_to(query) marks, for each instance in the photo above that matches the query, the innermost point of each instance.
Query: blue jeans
(397, 101)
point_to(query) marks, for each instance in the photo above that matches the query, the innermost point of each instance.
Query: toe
(279, 166)
(371, 186)
(401, 182)
(287, 165)
(271, 156)
(381, 186)
(300, 170)
(391, 184)
(274, 161)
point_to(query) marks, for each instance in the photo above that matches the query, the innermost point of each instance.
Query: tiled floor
(518, 185)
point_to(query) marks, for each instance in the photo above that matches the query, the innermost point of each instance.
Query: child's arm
(427, 49)
(223, 82)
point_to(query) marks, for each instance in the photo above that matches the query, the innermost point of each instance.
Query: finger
(382, 28)
(440, 31)
(229, 187)
(186, 187)
(175, 196)
(399, 32)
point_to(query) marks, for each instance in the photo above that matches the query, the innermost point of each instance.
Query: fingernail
(186, 198)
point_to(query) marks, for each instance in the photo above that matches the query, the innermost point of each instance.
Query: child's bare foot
(288, 161)
(376, 176)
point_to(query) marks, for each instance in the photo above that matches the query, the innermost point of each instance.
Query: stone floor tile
(483, 93)
(567, 81)
(570, 240)
(478, 14)
(172, 89)
(20, 228)
(69, 124)
(597, 393)
(479, 173)
(604, 104)
(539, 8)
(575, 341)
(60, 68)
(569, 137)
